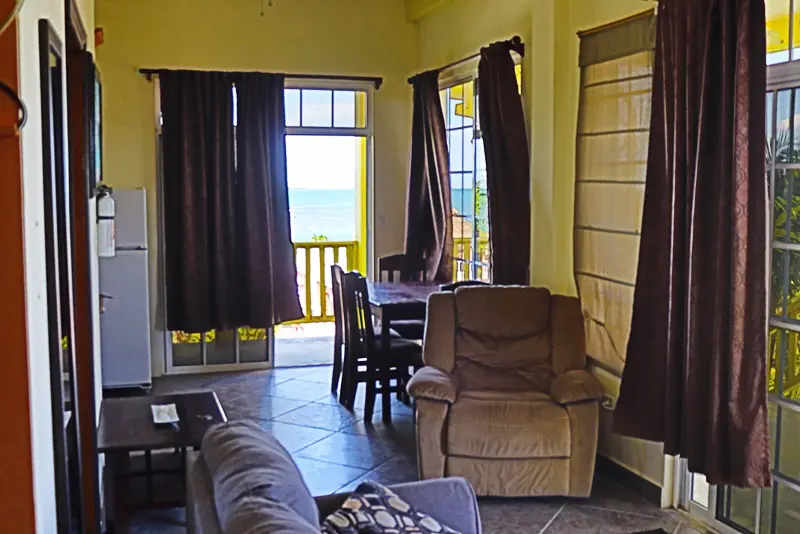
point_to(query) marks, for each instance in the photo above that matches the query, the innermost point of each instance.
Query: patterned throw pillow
(375, 509)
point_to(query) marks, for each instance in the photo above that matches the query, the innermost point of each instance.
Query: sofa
(243, 480)
(504, 399)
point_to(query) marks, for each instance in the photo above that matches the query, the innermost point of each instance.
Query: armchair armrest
(576, 386)
(433, 384)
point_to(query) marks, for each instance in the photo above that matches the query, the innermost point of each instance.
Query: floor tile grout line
(552, 519)
(290, 411)
(656, 515)
(365, 469)
(311, 444)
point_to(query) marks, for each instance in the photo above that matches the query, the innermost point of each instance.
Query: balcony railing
(313, 261)
(464, 260)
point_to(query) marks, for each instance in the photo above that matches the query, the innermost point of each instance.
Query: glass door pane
(700, 490)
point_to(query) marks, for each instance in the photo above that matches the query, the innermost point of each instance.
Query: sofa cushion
(255, 480)
(375, 509)
(507, 426)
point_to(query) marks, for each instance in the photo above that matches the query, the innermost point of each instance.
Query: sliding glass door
(777, 510)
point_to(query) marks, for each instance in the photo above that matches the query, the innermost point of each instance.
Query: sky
(322, 162)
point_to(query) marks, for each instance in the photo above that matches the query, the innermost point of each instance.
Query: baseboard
(624, 477)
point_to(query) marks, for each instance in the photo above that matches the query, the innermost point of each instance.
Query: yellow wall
(419, 9)
(550, 89)
(348, 37)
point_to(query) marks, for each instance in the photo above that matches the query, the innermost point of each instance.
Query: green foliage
(319, 237)
(252, 334)
(245, 334)
(785, 219)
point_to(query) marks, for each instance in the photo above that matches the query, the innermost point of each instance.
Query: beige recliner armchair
(504, 400)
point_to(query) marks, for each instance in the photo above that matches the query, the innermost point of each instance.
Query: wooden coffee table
(126, 426)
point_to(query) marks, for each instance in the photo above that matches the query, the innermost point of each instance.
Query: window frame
(333, 85)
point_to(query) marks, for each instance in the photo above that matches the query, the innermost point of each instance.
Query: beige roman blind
(613, 130)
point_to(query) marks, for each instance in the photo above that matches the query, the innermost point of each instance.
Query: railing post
(308, 283)
(322, 293)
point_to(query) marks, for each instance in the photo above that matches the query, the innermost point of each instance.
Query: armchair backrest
(504, 338)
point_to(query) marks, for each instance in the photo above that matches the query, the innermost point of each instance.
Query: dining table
(397, 301)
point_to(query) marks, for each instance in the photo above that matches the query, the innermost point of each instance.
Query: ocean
(332, 212)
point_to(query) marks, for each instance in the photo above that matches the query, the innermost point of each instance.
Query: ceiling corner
(417, 10)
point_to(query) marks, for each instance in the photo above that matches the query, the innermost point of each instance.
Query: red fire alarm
(99, 37)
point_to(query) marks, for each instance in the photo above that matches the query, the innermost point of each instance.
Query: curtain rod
(377, 81)
(515, 43)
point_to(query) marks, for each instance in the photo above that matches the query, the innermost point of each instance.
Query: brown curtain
(429, 225)
(198, 166)
(269, 270)
(508, 176)
(695, 376)
(218, 220)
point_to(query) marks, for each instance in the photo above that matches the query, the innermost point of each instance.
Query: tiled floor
(336, 450)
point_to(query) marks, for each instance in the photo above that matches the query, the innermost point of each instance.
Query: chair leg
(369, 401)
(386, 390)
(350, 399)
(400, 388)
(337, 364)
(349, 381)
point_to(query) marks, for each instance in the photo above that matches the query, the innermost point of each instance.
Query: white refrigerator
(125, 324)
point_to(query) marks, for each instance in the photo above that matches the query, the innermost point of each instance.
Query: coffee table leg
(119, 463)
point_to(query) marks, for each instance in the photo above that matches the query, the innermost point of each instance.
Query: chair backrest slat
(359, 332)
(336, 288)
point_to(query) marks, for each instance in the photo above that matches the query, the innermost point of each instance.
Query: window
(309, 108)
(471, 246)
(612, 144)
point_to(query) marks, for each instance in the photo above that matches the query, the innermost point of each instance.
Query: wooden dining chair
(365, 361)
(408, 268)
(338, 334)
